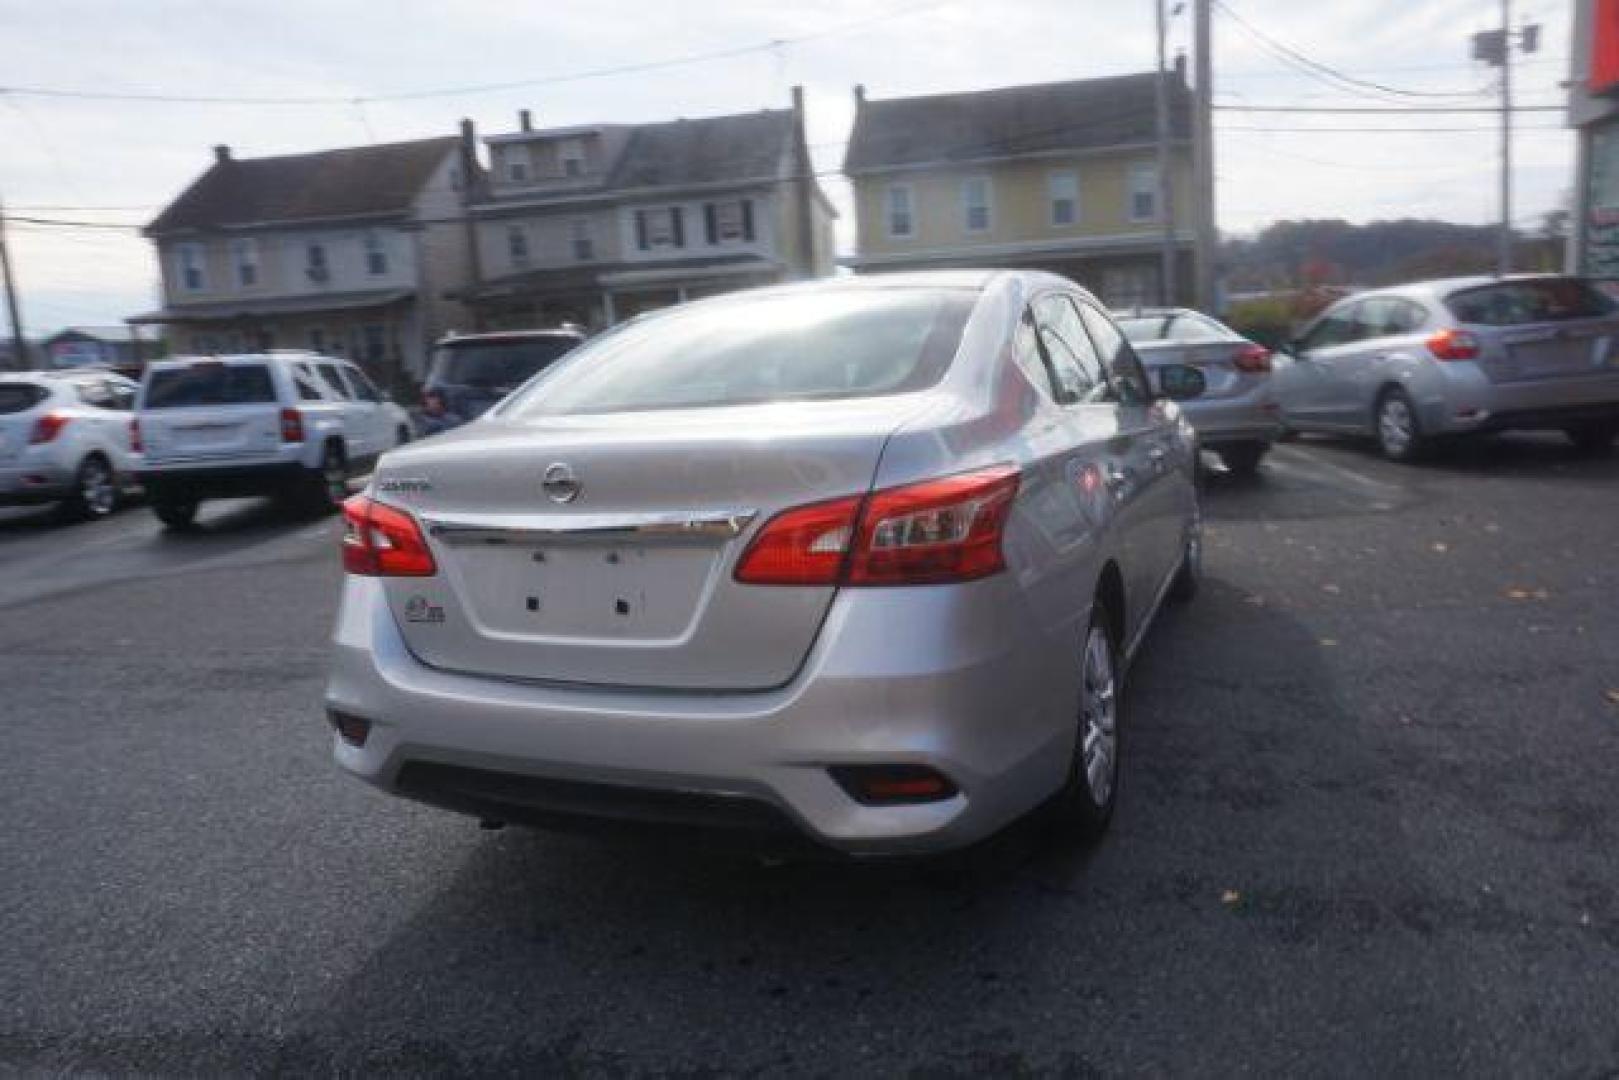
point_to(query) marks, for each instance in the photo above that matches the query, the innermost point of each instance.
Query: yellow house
(1057, 176)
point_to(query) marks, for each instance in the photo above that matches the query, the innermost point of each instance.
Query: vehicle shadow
(1252, 817)
(1513, 453)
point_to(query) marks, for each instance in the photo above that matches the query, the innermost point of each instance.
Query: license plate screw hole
(622, 607)
(533, 603)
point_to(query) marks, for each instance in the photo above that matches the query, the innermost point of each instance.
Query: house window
(517, 245)
(573, 157)
(729, 222)
(660, 228)
(584, 248)
(245, 254)
(1063, 190)
(900, 217)
(317, 268)
(189, 257)
(975, 203)
(1143, 192)
(376, 256)
(517, 164)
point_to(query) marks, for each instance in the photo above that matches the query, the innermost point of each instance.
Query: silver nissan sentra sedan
(857, 564)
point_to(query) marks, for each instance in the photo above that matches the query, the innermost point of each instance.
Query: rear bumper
(1254, 418)
(1468, 402)
(986, 713)
(222, 481)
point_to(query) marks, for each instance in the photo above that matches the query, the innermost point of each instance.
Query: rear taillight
(1253, 358)
(381, 541)
(48, 427)
(936, 531)
(1449, 344)
(135, 444)
(292, 425)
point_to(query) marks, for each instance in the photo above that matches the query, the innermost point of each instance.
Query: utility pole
(20, 360)
(1503, 258)
(1206, 239)
(1166, 275)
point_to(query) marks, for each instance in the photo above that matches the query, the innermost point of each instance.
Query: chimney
(222, 153)
(859, 95)
(469, 161)
(525, 120)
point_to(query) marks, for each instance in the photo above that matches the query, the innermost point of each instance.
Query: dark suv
(473, 371)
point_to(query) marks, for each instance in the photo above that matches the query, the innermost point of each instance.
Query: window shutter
(711, 227)
(678, 214)
(640, 229)
(747, 220)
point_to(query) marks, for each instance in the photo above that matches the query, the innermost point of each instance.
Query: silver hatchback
(1411, 364)
(855, 564)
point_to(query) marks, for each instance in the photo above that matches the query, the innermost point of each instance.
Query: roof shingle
(1084, 114)
(352, 182)
(715, 149)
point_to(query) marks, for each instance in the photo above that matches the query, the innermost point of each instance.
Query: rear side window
(816, 346)
(334, 380)
(1386, 316)
(303, 377)
(209, 384)
(1517, 303)
(18, 397)
(94, 392)
(497, 365)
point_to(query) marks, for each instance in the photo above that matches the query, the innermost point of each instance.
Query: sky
(118, 162)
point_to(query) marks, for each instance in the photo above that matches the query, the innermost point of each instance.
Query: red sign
(1604, 46)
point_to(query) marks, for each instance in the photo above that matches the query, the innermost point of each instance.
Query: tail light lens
(47, 427)
(292, 426)
(937, 531)
(1253, 358)
(136, 446)
(1450, 344)
(381, 541)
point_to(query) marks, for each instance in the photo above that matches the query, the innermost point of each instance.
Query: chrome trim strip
(670, 526)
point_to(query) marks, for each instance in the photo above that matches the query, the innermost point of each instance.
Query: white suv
(64, 438)
(291, 424)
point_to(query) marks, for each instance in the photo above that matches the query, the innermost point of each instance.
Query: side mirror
(1180, 382)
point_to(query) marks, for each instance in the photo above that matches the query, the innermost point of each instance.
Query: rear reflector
(136, 446)
(1252, 358)
(1451, 344)
(292, 426)
(47, 427)
(352, 729)
(937, 531)
(890, 785)
(382, 541)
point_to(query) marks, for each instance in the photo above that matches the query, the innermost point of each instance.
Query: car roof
(43, 378)
(1439, 288)
(173, 362)
(511, 335)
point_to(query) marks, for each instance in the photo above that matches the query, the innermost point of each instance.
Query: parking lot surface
(1368, 825)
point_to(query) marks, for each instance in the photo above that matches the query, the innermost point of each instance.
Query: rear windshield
(1515, 303)
(1174, 327)
(209, 384)
(20, 397)
(496, 365)
(793, 347)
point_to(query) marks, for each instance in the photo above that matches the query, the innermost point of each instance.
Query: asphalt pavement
(1368, 825)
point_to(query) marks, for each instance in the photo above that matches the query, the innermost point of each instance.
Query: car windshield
(1516, 303)
(209, 383)
(16, 397)
(837, 343)
(1174, 326)
(497, 365)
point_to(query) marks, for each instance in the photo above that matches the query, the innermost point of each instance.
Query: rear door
(357, 419)
(1541, 329)
(210, 410)
(377, 415)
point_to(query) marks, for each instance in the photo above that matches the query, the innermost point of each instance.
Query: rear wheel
(1243, 459)
(1084, 806)
(1592, 439)
(1399, 436)
(174, 512)
(95, 490)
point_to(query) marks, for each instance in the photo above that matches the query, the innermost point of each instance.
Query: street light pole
(20, 360)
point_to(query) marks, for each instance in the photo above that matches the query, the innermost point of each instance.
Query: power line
(467, 90)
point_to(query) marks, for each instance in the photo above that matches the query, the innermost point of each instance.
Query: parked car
(1221, 379)
(296, 425)
(1411, 364)
(64, 439)
(857, 563)
(473, 371)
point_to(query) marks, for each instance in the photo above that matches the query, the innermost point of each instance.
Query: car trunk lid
(1216, 360)
(210, 409)
(1552, 350)
(624, 577)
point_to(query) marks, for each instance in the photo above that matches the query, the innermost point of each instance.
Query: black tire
(1190, 576)
(1288, 434)
(1592, 440)
(1396, 428)
(1242, 459)
(1078, 811)
(95, 490)
(175, 512)
(328, 485)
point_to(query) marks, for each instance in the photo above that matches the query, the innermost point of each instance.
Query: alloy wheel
(97, 489)
(1099, 717)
